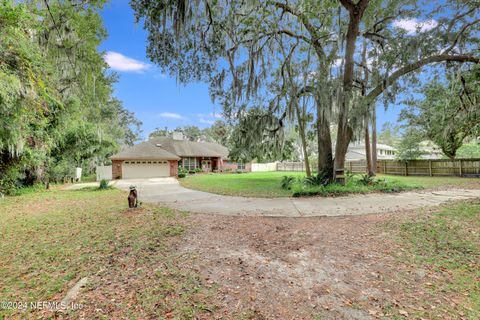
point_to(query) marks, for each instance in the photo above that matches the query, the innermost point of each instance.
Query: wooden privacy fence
(291, 166)
(433, 168)
(437, 167)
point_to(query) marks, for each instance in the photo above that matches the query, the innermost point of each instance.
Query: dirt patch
(284, 268)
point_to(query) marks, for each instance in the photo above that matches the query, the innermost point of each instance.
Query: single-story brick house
(161, 157)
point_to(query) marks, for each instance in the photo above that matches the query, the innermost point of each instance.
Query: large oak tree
(236, 45)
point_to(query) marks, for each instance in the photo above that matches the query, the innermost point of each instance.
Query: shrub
(198, 170)
(366, 180)
(9, 181)
(103, 184)
(349, 174)
(182, 175)
(320, 179)
(287, 182)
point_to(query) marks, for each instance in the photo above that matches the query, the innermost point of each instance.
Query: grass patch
(433, 182)
(269, 184)
(447, 242)
(251, 184)
(51, 239)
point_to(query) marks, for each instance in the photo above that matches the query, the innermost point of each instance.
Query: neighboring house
(161, 157)
(430, 150)
(356, 151)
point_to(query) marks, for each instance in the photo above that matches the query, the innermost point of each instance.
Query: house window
(241, 166)
(189, 163)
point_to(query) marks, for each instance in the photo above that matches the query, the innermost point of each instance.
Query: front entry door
(207, 165)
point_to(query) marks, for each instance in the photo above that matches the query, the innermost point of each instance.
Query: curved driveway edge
(168, 192)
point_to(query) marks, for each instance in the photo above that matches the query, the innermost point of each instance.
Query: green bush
(366, 180)
(349, 174)
(103, 184)
(353, 185)
(287, 182)
(9, 181)
(182, 175)
(197, 170)
(320, 179)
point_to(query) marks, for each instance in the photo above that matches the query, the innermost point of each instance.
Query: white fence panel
(104, 172)
(264, 167)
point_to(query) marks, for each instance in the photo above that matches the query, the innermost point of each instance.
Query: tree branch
(310, 28)
(378, 90)
(459, 34)
(348, 4)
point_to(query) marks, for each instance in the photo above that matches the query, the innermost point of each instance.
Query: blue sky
(157, 99)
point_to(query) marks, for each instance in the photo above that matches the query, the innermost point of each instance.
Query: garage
(134, 169)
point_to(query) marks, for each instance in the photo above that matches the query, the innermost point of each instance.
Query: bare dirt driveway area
(318, 268)
(167, 192)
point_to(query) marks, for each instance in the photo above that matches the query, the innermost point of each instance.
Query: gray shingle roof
(170, 149)
(145, 150)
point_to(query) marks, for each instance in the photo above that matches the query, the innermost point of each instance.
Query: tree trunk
(325, 154)
(301, 129)
(344, 133)
(368, 152)
(374, 140)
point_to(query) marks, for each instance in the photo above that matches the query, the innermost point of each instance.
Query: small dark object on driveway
(132, 197)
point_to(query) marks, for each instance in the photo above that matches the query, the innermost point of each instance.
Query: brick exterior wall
(222, 166)
(173, 168)
(117, 169)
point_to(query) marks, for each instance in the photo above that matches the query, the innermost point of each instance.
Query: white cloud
(170, 115)
(202, 120)
(216, 115)
(413, 25)
(119, 62)
(208, 118)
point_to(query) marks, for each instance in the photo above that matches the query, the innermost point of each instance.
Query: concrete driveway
(168, 192)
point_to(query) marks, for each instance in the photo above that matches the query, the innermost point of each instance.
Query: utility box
(78, 174)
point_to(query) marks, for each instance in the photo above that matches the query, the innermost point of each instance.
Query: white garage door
(145, 169)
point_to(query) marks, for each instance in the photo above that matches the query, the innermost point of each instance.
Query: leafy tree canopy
(56, 105)
(449, 112)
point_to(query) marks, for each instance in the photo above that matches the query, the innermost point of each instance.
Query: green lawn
(252, 184)
(445, 243)
(51, 239)
(268, 184)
